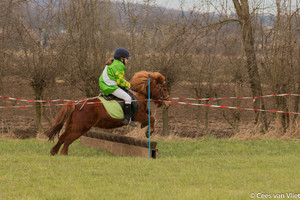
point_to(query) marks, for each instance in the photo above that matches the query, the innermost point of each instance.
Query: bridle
(161, 92)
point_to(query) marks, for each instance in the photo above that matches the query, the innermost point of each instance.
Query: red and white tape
(84, 101)
(236, 108)
(34, 101)
(172, 98)
(224, 98)
(60, 104)
(48, 105)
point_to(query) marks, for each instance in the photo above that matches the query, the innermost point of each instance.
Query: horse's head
(158, 86)
(159, 91)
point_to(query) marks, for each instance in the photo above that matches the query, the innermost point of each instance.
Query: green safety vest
(112, 77)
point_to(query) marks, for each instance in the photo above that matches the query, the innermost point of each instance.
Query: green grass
(208, 169)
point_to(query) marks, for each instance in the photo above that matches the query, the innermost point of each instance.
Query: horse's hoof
(64, 153)
(53, 153)
(147, 134)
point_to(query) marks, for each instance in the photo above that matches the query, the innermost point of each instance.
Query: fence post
(149, 116)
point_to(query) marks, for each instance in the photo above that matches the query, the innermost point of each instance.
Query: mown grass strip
(208, 169)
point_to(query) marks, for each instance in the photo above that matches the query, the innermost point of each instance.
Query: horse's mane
(139, 81)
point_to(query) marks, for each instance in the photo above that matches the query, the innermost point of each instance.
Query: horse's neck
(140, 96)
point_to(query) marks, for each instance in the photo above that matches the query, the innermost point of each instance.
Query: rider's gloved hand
(131, 90)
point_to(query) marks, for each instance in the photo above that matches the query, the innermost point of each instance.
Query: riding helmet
(121, 52)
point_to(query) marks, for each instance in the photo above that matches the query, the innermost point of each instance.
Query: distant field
(207, 169)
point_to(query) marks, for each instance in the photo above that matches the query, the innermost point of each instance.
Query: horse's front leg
(143, 118)
(143, 125)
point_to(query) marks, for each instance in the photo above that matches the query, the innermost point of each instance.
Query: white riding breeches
(122, 95)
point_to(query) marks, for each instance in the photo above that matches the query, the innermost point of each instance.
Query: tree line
(245, 52)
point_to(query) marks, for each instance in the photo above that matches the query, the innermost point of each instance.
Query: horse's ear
(158, 77)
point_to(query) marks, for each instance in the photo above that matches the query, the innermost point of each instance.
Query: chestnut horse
(81, 118)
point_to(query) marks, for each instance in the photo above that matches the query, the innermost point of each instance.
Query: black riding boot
(127, 116)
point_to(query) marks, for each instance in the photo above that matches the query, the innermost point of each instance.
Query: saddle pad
(113, 108)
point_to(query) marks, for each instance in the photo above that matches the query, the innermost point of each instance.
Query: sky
(216, 5)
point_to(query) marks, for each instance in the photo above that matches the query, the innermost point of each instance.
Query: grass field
(206, 169)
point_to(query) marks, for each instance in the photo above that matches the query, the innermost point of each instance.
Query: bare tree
(87, 26)
(29, 59)
(172, 45)
(39, 62)
(278, 46)
(205, 48)
(243, 13)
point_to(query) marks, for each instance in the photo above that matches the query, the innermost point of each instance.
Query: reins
(85, 101)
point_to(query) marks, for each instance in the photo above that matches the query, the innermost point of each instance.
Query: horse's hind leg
(75, 132)
(82, 121)
(61, 140)
(56, 148)
(68, 140)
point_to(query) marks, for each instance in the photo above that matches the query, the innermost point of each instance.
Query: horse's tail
(62, 116)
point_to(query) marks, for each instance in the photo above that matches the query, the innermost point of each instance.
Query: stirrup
(125, 121)
(130, 122)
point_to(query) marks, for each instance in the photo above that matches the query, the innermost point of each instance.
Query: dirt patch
(20, 127)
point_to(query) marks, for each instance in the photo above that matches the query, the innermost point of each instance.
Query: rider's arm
(119, 76)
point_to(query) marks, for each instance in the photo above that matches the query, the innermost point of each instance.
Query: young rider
(112, 78)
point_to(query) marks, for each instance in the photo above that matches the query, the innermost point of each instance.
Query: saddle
(111, 98)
